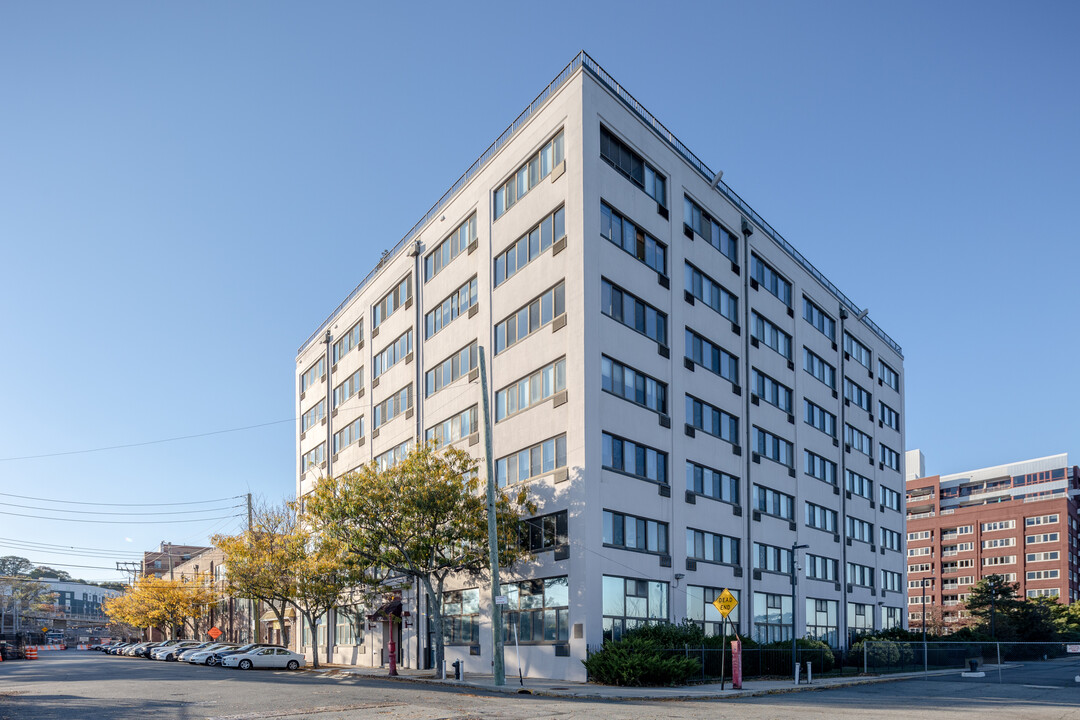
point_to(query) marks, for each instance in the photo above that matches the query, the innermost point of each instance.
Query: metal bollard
(809, 673)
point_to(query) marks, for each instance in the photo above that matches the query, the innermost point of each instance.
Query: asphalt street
(82, 685)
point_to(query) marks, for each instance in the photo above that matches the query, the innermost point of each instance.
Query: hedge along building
(684, 395)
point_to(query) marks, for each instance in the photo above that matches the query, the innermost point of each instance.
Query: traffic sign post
(724, 603)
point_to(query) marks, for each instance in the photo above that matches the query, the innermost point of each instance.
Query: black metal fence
(769, 662)
(886, 656)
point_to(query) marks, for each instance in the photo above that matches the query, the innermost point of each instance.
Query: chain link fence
(886, 656)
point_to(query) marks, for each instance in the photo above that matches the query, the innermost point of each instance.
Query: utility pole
(251, 603)
(795, 547)
(493, 537)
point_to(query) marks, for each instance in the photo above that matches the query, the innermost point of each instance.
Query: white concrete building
(684, 394)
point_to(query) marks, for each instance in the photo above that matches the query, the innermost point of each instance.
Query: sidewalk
(593, 691)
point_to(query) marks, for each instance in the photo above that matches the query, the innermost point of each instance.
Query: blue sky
(188, 189)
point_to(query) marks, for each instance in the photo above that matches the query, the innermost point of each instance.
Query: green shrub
(636, 661)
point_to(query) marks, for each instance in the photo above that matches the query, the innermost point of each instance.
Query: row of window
(531, 390)
(529, 175)
(530, 246)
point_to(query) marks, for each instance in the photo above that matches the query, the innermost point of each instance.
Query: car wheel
(209, 661)
(293, 665)
(245, 664)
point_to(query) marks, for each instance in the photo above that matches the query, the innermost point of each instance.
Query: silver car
(207, 655)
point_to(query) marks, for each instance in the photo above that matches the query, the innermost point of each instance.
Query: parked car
(182, 654)
(208, 656)
(115, 649)
(268, 657)
(222, 654)
(146, 648)
(129, 651)
(168, 654)
(160, 646)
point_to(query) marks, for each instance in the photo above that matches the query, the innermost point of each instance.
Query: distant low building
(75, 604)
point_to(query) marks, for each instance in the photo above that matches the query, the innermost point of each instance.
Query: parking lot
(78, 685)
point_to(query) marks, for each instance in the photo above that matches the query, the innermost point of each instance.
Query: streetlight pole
(795, 546)
(990, 583)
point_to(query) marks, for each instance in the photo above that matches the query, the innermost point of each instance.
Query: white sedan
(206, 655)
(265, 658)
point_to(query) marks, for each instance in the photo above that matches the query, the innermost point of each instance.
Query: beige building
(684, 395)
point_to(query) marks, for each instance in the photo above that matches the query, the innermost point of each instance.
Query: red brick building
(1018, 520)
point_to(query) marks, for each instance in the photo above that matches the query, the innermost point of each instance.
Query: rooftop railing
(585, 61)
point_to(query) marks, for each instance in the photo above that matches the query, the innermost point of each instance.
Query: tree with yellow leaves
(159, 602)
(424, 518)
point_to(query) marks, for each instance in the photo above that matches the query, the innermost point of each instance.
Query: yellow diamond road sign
(725, 602)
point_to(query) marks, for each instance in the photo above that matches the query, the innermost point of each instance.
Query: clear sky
(188, 189)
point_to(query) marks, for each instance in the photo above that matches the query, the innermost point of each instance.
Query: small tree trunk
(314, 639)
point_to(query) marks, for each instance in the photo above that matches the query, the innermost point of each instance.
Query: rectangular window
(888, 416)
(818, 467)
(823, 621)
(768, 334)
(819, 319)
(349, 340)
(455, 244)
(461, 616)
(313, 458)
(633, 385)
(1042, 538)
(394, 353)
(709, 230)
(890, 580)
(631, 238)
(1044, 592)
(821, 568)
(888, 376)
(1043, 574)
(889, 539)
(710, 292)
(619, 155)
(860, 575)
(623, 307)
(630, 603)
(769, 558)
(346, 631)
(771, 391)
(856, 484)
(530, 391)
(313, 374)
(390, 302)
(529, 175)
(920, 535)
(709, 547)
(1041, 520)
(539, 609)
(775, 503)
(998, 525)
(635, 533)
(393, 456)
(889, 498)
(858, 352)
(393, 406)
(545, 532)
(820, 418)
(632, 458)
(453, 429)
(712, 483)
(858, 395)
(540, 459)
(712, 357)
(530, 246)
(1002, 560)
(701, 611)
(712, 420)
(858, 440)
(349, 434)
(540, 311)
(769, 279)
(451, 308)
(860, 530)
(820, 518)
(920, 551)
(820, 369)
(890, 457)
(998, 543)
(312, 417)
(772, 617)
(457, 365)
(772, 447)
(349, 387)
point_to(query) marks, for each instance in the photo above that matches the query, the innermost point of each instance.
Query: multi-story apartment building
(1017, 520)
(684, 395)
(231, 615)
(162, 563)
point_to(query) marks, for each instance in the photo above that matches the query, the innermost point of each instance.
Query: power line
(110, 512)
(46, 546)
(77, 553)
(148, 442)
(79, 502)
(122, 522)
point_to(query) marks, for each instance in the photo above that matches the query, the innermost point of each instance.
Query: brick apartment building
(1017, 520)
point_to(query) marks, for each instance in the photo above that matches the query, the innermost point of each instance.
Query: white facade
(585, 485)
